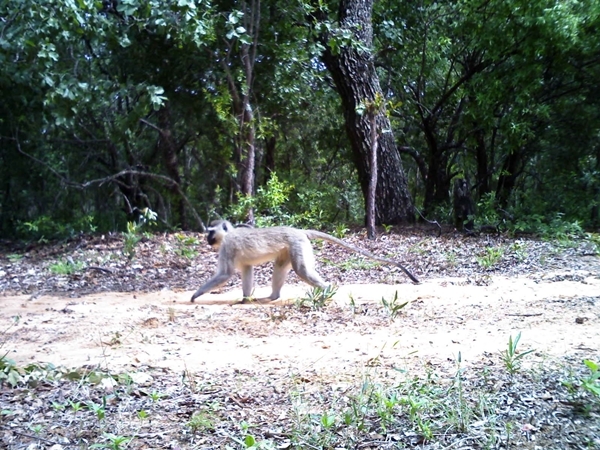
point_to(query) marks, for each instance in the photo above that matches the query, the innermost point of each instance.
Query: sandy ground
(556, 315)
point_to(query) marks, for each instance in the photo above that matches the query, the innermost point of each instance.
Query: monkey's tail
(314, 234)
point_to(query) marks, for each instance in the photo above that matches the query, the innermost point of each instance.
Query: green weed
(113, 442)
(133, 233)
(185, 245)
(491, 257)
(201, 422)
(340, 231)
(591, 383)
(67, 267)
(393, 307)
(317, 298)
(14, 257)
(511, 358)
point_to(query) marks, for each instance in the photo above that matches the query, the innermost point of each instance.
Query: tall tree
(347, 54)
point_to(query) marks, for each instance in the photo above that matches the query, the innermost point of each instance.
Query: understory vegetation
(198, 110)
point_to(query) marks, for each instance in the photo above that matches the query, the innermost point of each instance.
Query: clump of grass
(200, 422)
(393, 307)
(490, 257)
(317, 298)
(66, 267)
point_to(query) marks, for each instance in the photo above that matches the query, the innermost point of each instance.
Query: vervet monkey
(290, 248)
(243, 248)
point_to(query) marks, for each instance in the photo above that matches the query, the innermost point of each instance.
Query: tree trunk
(357, 82)
(168, 147)
(508, 177)
(481, 155)
(241, 94)
(371, 209)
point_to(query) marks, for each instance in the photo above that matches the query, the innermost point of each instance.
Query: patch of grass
(317, 298)
(393, 307)
(66, 267)
(357, 263)
(201, 422)
(490, 257)
(519, 250)
(14, 257)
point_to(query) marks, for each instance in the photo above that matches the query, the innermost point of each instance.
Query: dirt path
(557, 315)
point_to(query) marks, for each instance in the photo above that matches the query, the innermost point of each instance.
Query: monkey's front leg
(219, 279)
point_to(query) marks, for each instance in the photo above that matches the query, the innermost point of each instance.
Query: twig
(525, 315)
(38, 438)
(100, 269)
(433, 222)
(114, 178)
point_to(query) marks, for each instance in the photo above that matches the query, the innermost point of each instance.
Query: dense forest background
(111, 110)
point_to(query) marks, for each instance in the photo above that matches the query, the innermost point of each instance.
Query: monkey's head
(216, 232)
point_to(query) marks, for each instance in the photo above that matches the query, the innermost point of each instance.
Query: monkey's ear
(224, 225)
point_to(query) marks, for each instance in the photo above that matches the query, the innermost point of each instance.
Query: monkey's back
(253, 246)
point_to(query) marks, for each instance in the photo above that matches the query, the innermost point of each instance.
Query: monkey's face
(216, 234)
(211, 238)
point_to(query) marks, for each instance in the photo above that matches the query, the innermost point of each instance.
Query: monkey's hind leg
(303, 263)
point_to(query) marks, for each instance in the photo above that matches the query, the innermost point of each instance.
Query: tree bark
(371, 210)
(357, 82)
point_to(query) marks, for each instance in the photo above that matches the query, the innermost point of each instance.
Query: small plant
(387, 228)
(393, 307)
(592, 238)
(37, 429)
(353, 306)
(9, 372)
(491, 257)
(460, 411)
(340, 231)
(519, 249)
(510, 357)
(59, 406)
(200, 422)
(132, 236)
(14, 257)
(114, 442)
(75, 406)
(156, 396)
(317, 298)
(591, 383)
(67, 267)
(185, 245)
(451, 259)
(98, 410)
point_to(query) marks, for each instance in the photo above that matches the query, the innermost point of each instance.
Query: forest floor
(101, 349)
